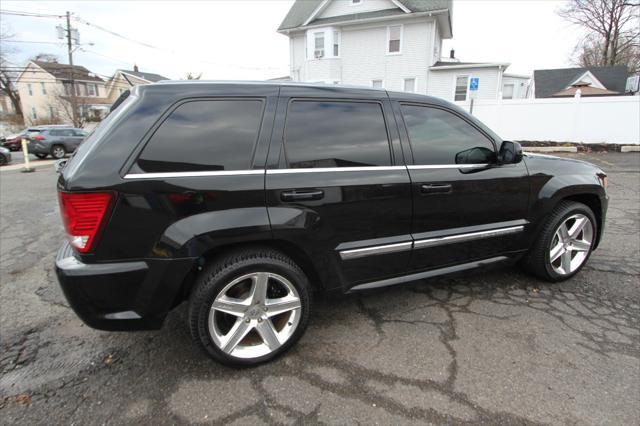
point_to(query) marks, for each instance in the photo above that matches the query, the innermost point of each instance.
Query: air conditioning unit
(318, 53)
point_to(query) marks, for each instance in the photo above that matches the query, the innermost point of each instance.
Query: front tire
(249, 306)
(58, 152)
(565, 243)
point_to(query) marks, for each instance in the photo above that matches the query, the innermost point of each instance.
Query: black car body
(359, 188)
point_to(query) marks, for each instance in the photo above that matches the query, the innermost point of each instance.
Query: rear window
(336, 134)
(205, 136)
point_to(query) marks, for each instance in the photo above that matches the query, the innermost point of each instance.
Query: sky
(238, 39)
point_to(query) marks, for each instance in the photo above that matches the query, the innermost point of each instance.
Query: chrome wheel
(571, 244)
(254, 315)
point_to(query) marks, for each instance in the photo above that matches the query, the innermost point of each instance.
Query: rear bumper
(133, 295)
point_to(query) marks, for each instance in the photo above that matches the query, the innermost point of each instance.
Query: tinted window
(440, 137)
(204, 135)
(336, 134)
(55, 132)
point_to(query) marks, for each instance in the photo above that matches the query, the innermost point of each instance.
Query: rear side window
(441, 137)
(336, 134)
(205, 136)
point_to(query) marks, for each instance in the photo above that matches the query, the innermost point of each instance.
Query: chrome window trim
(335, 169)
(451, 239)
(301, 170)
(193, 174)
(446, 166)
(369, 251)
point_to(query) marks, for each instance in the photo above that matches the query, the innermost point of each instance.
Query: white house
(395, 44)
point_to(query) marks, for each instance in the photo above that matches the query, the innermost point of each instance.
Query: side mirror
(510, 153)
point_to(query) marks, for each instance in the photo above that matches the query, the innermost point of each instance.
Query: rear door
(466, 205)
(337, 185)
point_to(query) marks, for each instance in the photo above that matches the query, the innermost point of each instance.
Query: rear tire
(249, 306)
(564, 244)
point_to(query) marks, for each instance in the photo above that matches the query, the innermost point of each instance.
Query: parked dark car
(245, 199)
(56, 141)
(5, 156)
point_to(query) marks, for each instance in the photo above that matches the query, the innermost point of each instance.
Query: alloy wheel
(57, 152)
(571, 244)
(254, 315)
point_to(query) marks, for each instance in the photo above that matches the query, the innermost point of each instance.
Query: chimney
(452, 54)
(135, 67)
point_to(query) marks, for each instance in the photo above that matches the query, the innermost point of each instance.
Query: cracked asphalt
(487, 348)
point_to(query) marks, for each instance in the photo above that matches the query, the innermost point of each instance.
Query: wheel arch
(297, 254)
(594, 203)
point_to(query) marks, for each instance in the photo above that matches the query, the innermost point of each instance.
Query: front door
(466, 205)
(339, 188)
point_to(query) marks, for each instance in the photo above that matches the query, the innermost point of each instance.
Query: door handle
(436, 188)
(302, 195)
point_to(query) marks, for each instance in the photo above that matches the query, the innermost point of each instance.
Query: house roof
(443, 65)
(302, 10)
(149, 76)
(584, 91)
(549, 82)
(63, 71)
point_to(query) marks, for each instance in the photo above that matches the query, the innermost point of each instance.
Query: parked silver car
(56, 142)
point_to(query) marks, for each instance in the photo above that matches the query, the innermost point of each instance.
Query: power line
(78, 19)
(29, 14)
(31, 41)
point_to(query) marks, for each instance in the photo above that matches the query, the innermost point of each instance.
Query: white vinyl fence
(607, 119)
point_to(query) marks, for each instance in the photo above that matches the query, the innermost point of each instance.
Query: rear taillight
(38, 138)
(84, 215)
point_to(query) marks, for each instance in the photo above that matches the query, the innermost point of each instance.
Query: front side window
(462, 83)
(336, 134)
(394, 35)
(205, 135)
(318, 45)
(410, 85)
(439, 137)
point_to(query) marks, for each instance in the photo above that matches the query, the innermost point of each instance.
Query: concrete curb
(33, 164)
(630, 148)
(550, 148)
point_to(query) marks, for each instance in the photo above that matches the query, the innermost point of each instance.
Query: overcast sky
(238, 39)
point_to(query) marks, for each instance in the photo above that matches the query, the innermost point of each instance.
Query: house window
(44, 90)
(394, 34)
(410, 85)
(462, 83)
(30, 89)
(91, 89)
(33, 113)
(52, 112)
(318, 45)
(507, 91)
(355, 2)
(336, 43)
(81, 89)
(376, 84)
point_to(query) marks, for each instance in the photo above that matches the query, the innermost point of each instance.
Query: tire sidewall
(215, 284)
(548, 239)
(53, 152)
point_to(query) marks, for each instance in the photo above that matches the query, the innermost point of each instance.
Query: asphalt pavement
(488, 348)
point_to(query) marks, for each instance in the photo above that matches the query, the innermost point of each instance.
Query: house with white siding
(394, 44)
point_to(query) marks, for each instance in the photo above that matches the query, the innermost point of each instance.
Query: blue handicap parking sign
(474, 83)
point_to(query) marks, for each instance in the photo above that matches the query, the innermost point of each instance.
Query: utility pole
(74, 103)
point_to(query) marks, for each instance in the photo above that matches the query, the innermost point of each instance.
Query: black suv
(247, 198)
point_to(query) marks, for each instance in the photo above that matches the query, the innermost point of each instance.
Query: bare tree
(613, 28)
(62, 107)
(191, 76)
(7, 76)
(45, 57)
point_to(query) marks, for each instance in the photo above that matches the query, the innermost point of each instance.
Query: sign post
(474, 83)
